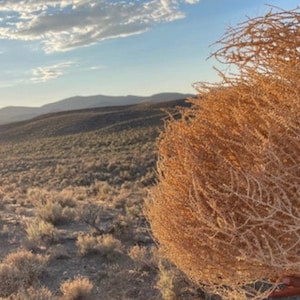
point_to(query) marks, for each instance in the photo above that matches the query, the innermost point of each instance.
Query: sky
(51, 50)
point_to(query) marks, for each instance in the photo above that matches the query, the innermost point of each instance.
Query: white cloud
(95, 68)
(67, 24)
(43, 74)
(191, 1)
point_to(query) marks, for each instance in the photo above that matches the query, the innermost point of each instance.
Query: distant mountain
(104, 120)
(19, 113)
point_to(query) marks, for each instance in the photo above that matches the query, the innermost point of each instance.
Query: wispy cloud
(191, 1)
(95, 68)
(43, 74)
(67, 24)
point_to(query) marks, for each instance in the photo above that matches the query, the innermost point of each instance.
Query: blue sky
(50, 49)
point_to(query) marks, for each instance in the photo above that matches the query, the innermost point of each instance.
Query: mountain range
(11, 114)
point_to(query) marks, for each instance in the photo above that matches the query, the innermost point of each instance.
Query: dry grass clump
(78, 289)
(173, 284)
(226, 207)
(52, 206)
(39, 231)
(87, 244)
(33, 294)
(165, 283)
(20, 270)
(145, 256)
(106, 244)
(90, 214)
(51, 212)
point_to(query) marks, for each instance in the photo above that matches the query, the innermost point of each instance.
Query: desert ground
(72, 191)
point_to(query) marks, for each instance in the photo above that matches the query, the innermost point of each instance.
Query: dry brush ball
(226, 206)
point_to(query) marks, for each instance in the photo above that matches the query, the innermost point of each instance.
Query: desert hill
(20, 113)
(72, 188)
(108, 119)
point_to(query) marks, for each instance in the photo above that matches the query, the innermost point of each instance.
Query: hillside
(107, 119)
(14, 113)
(72, 188)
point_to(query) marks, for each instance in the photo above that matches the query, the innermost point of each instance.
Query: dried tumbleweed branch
(226, 208)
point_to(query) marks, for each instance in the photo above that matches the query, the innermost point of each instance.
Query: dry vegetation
(226, 209)
(71, 198)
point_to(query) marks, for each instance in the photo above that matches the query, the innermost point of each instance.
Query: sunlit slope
(109, 119)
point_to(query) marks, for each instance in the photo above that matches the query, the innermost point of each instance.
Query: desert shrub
(51, 212)
(20, 270)
(78, 289)
(87, 244)
(106, 244)
(98, 217)
(29, 264)
(66, 198)
(226, 206)
(33, 294)
(165, 283)
(52, 206)
(173, 284)
(138, 254)
(145, 256)
(10, 279)
(133, 210)
(39, 231)
(1, 224)
(90, 214)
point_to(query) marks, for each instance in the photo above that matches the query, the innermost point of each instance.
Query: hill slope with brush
(72, 187)
(108, 119)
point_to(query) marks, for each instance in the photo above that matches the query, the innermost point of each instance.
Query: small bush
(138, 253)
(90, 214)
(52, 207)
(39, 230)
(108, 245)
(77, 289)
(9, 280)
(165, 283)
(86, 244)
(20, 270)
(33, 294)
(105, 245)
(1, 224)
(51, 212)
(144, 256)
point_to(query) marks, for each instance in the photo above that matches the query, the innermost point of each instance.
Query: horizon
(53, 50)
(98, 95)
